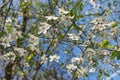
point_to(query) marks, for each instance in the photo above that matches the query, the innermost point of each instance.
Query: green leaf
(105, 44)
(2, 34)
(99, 76)
(29, 58)
(115, 24)
(95, 64)
(85, 74)
(9, 28)
(63, 64)
(106, 74)
(115, 54)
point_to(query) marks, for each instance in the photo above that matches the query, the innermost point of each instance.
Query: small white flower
(62, 11)
(73, 36)
(26, 65)
(77, 60)
(92, 70)
(9, 56)
(54, 58)
(44, 59)
(71, 67)
(105, 52)
(43, 28)
(51, 17)
(90, 51)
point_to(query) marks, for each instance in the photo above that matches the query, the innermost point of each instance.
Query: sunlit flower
(92, 70)
(71, 67)
(105, 52)
(77, 60)
(9, 56)
(51, 17)
(73, 36)
(54, 58)
(90, 51)
(26, 65)
(43, 59)
(80, 71)
(62, 11)
(43, 28)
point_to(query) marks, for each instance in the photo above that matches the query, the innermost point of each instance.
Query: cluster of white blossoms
(43, 59)
(43, 28)
(73, 36)
(10, 56)
(54, 58)
(22, 52)
(71, 67)
(77, 60)
(33, 42)
(99, 23)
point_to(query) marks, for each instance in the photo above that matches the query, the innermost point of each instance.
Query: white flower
(22, 52)
(54, 58)
(43, 28)
(43, 59)
(92, 70)
(33, 39)
(62, 11)
(26, 65)
(9, 56)
(8, 20)
(71, 67)
(90, 51)
(80, 72)
(51, 17)
(73, 36)
(105, 52)
(77, 60)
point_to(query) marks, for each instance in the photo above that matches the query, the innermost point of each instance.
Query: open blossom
(62, 11)
(51, 17)
(105, 52)
(33, 39)
(90, 51)
(21, 51)
(77, 60)
(43, 59)
(71, 67)
(43, 28)
(80, 71)
(9, 56)
(73, 36)
(92, 70)
(54, 58)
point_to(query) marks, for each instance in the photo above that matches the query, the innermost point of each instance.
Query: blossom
(92, 70)
(26, 65)
(22, 52)
(80, 71)
(9, 56)
(62, 11)
(54, 58)
(43, 59)
(71, 67)
(33, 39)
(105, 52)
(77, 60)
(43, 28)
(90, 50)
(73, 36)
(51, 17)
